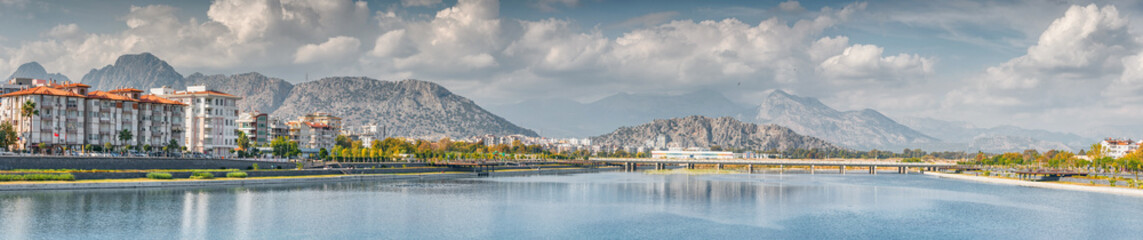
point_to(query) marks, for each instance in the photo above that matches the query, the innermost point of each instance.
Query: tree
(147, 147)
(124, 136)
(172, 145)
(343, 141)
(1097, 151)
(27, 111)
(243, 141)
(283, 147)
(7, 135)
(107, 147)
(323, 154)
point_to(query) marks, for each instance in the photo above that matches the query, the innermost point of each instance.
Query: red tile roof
(76, 85)
(42, 91)
(125, 90)
(210, 92)
(109, 96)
(151, 98)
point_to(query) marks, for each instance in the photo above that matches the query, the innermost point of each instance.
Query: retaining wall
(28, 162)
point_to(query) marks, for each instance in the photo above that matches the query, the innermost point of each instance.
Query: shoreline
(1048, 185)
(150, 183)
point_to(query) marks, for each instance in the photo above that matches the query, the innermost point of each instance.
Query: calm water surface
(593, 206)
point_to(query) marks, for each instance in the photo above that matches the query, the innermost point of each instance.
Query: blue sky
(1061, 65)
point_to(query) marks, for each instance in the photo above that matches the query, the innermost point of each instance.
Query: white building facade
(209, 119)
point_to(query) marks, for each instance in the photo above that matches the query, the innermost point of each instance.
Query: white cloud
(865, 62)
(648, 20)
(551, 5)
(336, 49)
(420, 3)
(65, 31)
(790, 6)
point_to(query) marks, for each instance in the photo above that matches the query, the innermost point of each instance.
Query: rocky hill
(863, 130)
(408, 108)
(141, 71)
(567, 118)
(700, 131)
(35, 70)
(258, 92)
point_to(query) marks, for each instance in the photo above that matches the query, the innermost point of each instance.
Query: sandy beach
(1052, 185)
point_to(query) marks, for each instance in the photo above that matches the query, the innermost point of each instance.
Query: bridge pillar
(811, 169)
(718, 166)
(781, 168)
(872, 170)
(750, 168)
(841, 169)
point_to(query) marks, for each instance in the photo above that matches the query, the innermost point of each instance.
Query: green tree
(7, 135)
(124, 136)
(323, 154)
(283, 147)
(171, 146)
(147, 147)
(27, 111)
(343, 141)
(1097, 151)
(243, 141)
(107, 147)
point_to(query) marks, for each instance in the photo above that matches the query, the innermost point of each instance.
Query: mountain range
(411, 108)
(423, 109)
(701, 131)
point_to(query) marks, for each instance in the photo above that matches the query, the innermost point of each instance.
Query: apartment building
(256, 126)
(314, 131)
(71, 117)
(210, 118)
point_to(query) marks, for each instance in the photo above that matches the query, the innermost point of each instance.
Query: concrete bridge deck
(631, 164)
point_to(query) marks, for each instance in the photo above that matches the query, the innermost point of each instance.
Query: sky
(1058, 65)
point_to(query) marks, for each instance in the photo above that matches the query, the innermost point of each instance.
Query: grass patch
(202, 175)
(159, 175)
(36, 177)
(236, 175)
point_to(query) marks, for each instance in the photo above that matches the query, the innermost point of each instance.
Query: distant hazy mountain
(700, 131)
(567, 118)
(35, 70)
(259, 93)
(141, 71)
(997, 144)
(996, 139)
(408, 108)
(862, 130)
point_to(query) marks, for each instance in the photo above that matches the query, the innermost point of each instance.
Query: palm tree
(125, 136)
(27, 111)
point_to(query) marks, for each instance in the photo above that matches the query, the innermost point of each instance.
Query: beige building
(314, 131)
(71, 117)
(210, 118)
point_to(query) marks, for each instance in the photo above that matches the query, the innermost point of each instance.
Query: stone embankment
(148, 183)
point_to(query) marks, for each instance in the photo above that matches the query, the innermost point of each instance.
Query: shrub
(159, 175)
(300, 165)
(987, 173)
(201, 175)
(236, 174)
(1112, 181)
(254, 166)
(37, 177)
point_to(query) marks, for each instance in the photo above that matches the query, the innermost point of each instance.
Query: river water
(584, 206)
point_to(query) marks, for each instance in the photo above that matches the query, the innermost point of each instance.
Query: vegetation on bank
(36, 177)
(236, 174)
(159, 175)
(202, 175)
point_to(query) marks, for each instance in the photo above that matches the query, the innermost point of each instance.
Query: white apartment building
(71, 117)
(210, 118)
(1117, 148)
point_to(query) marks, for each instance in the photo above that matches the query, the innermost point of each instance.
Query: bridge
(631, 164)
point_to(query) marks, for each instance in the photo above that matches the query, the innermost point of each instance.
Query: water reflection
(611, 205)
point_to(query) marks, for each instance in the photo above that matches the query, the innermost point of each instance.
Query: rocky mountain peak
(701, 131)
(142, 71)
(37, 71)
